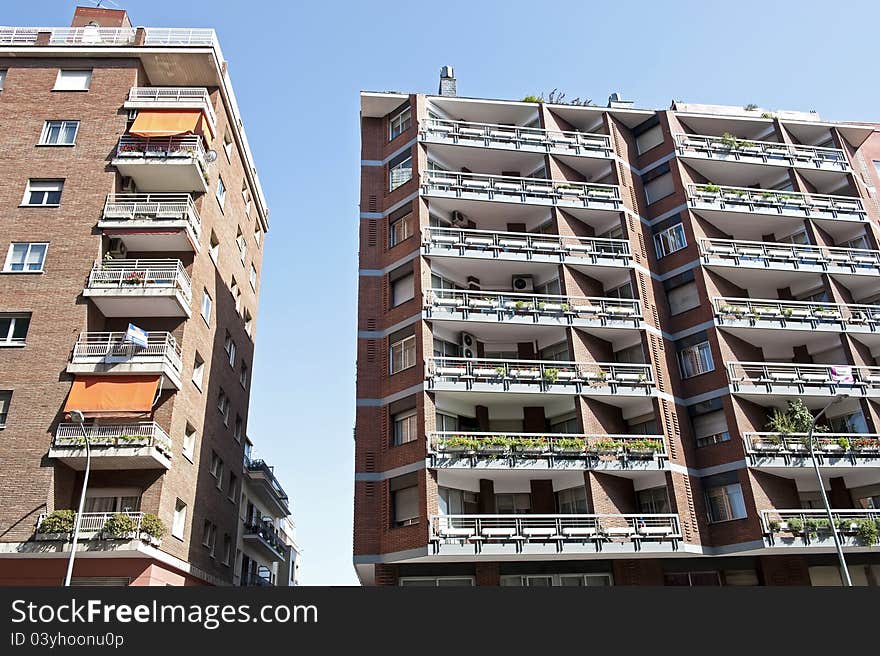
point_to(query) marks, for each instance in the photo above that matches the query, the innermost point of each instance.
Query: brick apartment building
(134, 224)
(575, 323)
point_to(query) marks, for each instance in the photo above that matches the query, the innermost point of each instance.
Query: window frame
(5, 402)
(728, 505)
(402, 121)
(9, 341)
(408, 418)
(401, 167)
(198, 368)
(700, 348)
(44, 134)
(61, 73)
(178, 520)
(210, 306)
(29, 190)
(220, 192)
(404, 348)
(30, 244)
(406, 233)
(664, 236)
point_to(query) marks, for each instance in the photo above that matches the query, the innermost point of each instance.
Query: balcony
(263, 477)
(856, 528)
(532, 309)
(767, 379)
(163, 164)
(125, 446)
(140, 288)
(744, 212)
(262, 536)
(152, 222)
(93, 529)
(111, 354)
(105, 36)
(564, 535)
(173, 98)
(771, 450)
(254, 580)
(553, 451)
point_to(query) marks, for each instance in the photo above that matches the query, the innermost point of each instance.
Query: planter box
(47, 537)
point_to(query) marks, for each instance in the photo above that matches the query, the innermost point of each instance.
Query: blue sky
(297, 68)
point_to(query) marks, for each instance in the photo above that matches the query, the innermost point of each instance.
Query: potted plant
(644, 447)
(607, 447)
(133, 278)
(550, 375)
(811, 527)
(494, 444)
(867, 532)
(795, 526)
(152, 527)
(57, 525)
(774, 525)
(458, 444)
(569, 445)
(865, 445)
(500, 371)
(709, 189)
(119, 526)
(768, 443)
(531, 444)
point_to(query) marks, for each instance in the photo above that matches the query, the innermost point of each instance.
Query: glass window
(198, 371)
(649, 139)
(695, 360)
(710, 428)
(653, 500)
(43, 193)
(227, 145)
(223, 406)
(660, 187)
(5, 400)
(252, 277)
(229, 347)
(683, 298)
(437, 582)
(564, 425)
(402, 290)
(206, 306)
(400, 122)
(513, 503)
(399, 170)
(551, 288)
(399, 230)
(221, 191)
(444, 349)
(405, 428)
(445, 423)
(2, 79)
(25, 257)
(670, 240)
(189, 442)
(572, 501)
(456, 502)
(405, 502)
(243, 374)
(403, 354)
(800, 237)
(558, 352)
(179, 522)
(624, 291)
(851, 423)
(725, 502)
(68, 80)
(13, 329)
(59, 133)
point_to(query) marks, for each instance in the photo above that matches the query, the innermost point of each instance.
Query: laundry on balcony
(169, 122)
(113, 396)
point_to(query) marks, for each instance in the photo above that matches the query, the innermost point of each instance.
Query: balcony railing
(514, 137)
(188, 146)
(767, 201)
(267, 533)
(796, 314)
(175, 96)
(766, 152)
(813, 379)
(794, 448)
(179, 36)
(560, 532)
(535, 308)
(144, 434)
(255, 580)
(141, 274)
(150, 208)
(107, 36)
(268, 471)
(526, 245)
(94, 522)
(789, 256)
(514, 447)
(539, 375)
(856, 527)
(511, 189)
(97, 347)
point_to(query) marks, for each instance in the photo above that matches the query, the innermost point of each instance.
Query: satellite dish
(211, 156)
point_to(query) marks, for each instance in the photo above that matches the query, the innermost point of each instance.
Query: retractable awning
(167, 122)
(113, 396)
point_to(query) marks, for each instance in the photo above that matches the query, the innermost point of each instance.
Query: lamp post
(844, 572)
(79, 418)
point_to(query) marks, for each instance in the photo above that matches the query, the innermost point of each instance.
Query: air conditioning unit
(116, 248)
(132, 114)
(458, 219)
(523, 283)
(468, 344)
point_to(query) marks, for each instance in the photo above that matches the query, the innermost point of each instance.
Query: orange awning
(113, 396)
(166, 122)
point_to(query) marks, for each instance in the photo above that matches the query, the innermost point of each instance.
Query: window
(68, 80)
(241, 242)
(236, 294)
(513, 503)
(216, 465)
(113, 500)
(13, 329)
(198, 371)
(258, 235)
(243, 374)
(558, 352)
(178, 523)
(238, 429)
(403, 354)
(683, 298)
(725, 502)
(624, 291)
(695, 360)
(223, 406)
(227, 549)
(690, 579)
(232, 487)
(209, 536)
(246, 197)
(399, 170)
(229, 347)
(252, 277)
(206, 306)
(400, 123)
(456, 502)
(248, 323)
(43, 193)
(2, 79)
(404, 500)
(670, 240)
(551, 287)
(851, 423)
(399, 230)
(406, 427)
(660, 187)
(59, 133)
(567, 424)
(402, 290)
(445, 423)
(572, 501)
(653, 500)
(5, 400)
(649, 139)
(189, 442)
(710, 428)
(25, 257)
(436, 582)
(558, 580)
(227, 145)
(214, 247)
(221, 191)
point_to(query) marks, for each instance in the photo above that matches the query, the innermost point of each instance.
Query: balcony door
(113, 500)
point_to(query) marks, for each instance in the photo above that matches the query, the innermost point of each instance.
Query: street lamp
(844, 572)
(78, 417)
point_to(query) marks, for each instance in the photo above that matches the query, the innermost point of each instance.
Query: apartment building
(575, 326)
(134, 224)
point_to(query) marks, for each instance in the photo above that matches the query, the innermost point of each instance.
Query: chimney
(99, 16)
(447, 82)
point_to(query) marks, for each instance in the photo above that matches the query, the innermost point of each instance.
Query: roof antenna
(98, 3)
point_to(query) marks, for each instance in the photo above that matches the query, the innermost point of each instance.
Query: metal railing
(69, 36)
(190, 145)
(504, 305)
(778, 202)
(187, 95)
(252, 579)
(140, 274)
(266, 531)
(509, 188)
(268, 471)
(826, 444)
(179, 36)
(811, 521)
(776, 253)
(530, 444)
(764, 376)
(153, 207)
(543, 374)
(161, 348)
(94, 522)
(147, 433)
(487, 134)
(736, 311)
(765, 151)
(527, 243)
(560, 528)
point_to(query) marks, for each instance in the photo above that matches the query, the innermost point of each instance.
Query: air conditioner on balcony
(116, 249)
(523, 283)
(458, 219)
(468, 344)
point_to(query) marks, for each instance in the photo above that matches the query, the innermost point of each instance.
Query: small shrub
(60, 521)
(120, 525)
(867, 532)
(533, 99)
(774, 525)
(796, 526)
(550, 375)
(152, 526)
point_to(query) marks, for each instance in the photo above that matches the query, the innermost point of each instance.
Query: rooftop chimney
(447, 82)
(99, 16)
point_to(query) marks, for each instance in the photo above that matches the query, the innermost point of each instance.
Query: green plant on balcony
(867, 532)
(133, 438)
(750, 107)
(709, 189)
(787, 312)
(565, 307)
(500, 371)
(766, 115)
(570, 444)
(119, 525)
(459, 443)
(533, 99)
(645, 445)
(606, 445)
(774, 525)
(796, 526)
(864, 444)
(59, 521)
(133, 278)
(845, 525)
(496, 443)
(811, 526)
(530, 443)
(524, 306)
(550, 375)
(796, 418)
(730, 141)
(843, 443)
(152, 526)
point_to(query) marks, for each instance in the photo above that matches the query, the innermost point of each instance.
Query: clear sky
(297, 68)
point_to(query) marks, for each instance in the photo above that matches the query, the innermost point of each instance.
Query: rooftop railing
(517, 137)
(767, 152)
(161, 348)
(143, 434)
(153, 207)
(131, 146)
(769, 377)
(775, 254)
(768, 201)
(140, 274)
(758, 312)
(106, 36)
(183, 95)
